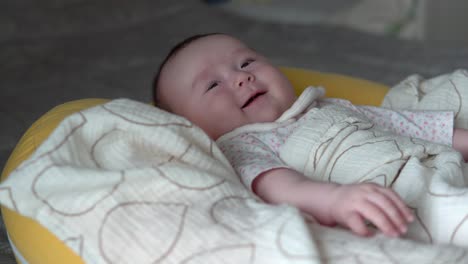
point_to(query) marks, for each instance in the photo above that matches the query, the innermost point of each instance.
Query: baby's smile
(253, 98)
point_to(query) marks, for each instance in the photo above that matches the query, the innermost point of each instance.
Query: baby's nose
(244, 78)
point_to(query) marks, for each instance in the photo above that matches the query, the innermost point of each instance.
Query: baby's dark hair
(179, 46)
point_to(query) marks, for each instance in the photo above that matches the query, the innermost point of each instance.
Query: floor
(56, 51)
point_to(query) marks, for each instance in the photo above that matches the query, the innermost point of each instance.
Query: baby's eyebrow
(241, 51)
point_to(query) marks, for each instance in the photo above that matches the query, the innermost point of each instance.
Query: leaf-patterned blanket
(125, 182)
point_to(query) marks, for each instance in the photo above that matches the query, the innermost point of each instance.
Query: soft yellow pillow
(358, 91)
(37, 245)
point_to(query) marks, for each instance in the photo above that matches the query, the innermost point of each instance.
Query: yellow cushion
(358, 91)
(37, 245)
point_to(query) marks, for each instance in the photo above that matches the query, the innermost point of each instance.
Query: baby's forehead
(216, 46)
(208, 50)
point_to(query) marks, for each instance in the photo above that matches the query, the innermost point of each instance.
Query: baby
(223, 86)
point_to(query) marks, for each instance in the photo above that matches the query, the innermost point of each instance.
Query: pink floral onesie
(253, 149)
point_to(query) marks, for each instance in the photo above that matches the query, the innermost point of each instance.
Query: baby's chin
(267, 117)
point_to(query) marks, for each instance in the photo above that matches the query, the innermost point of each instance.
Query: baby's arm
(460, 141)
(329, 203)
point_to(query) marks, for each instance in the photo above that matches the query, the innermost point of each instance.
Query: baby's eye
(246, 63)
(212, 85)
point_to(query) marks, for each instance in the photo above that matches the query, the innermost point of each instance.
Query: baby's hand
(352, 205)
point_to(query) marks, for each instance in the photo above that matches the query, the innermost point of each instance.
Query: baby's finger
(379, 218)
(404, 209)
(356, 223)
(391, 210)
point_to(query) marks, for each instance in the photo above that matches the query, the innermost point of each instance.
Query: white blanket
(343, 146)
(125, 182)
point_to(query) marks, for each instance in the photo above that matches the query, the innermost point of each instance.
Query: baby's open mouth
(251, 99)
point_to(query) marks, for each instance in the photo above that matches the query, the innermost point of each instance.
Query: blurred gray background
(54, 51)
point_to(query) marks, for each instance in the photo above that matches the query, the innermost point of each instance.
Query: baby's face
(220, 84)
